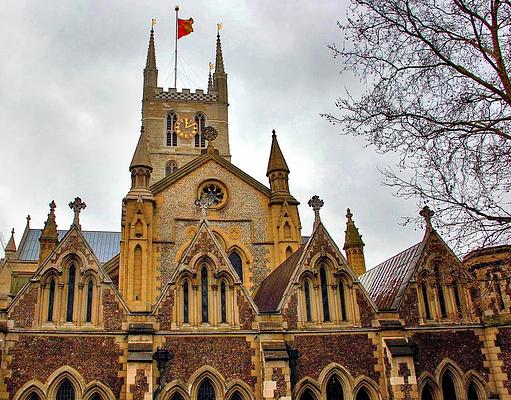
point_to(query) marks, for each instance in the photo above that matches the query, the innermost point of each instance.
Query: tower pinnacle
(354, 246)
(219, 61)
(49, 237)
(219, 76)
(150, 70)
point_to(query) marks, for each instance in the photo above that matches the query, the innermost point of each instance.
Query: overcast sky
(70, 98)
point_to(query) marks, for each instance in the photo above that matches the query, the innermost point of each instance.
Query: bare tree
(438, 93)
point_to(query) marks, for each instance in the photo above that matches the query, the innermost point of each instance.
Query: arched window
(448, 388)
(206, 390)
(457, 299)
(334, 389)
(236, 396)
(362, 394)
(223, 303)
(200, 120)
(289, 252)
(177, 396)
(236, 262)
(170, 167)
(342, 295)
(204, 294)
(427, 393)
(90, 288)
(34, 396)
(307, 395)
(440, 289)
(324, 294)
(425, 298)
(171, 134)
(472, 393)
(186, 312)
(97, 396)
(308, 308)
(51, 300)
(70, 293)
(66, 391)
(137, 273)
(498, 292)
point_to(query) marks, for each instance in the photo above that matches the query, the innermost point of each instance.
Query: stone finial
(204, 202)
(77, 206)
(28, 221)
(427, 213)
(11, 244)
(316, 203)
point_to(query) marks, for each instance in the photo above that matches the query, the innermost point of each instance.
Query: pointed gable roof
(277, 161)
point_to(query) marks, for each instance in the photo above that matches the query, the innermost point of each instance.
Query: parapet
(185, 95)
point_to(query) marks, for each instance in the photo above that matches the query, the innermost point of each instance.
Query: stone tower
(174, 120)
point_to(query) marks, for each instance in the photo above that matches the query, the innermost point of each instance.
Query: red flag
(184, 27)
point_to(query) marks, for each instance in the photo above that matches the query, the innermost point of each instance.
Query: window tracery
(171, 133)
(200, 140)
(170, 167)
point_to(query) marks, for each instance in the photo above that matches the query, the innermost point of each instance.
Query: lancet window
(200, 120)
(223, 303)
(308, 308)
(204, 295)
(65, 391)
(88, 313)
(324, 294)
(334, 389)
(171, 133)
(170, 167)
(186, 303)
(70, 293)
(237, 263)
(51, 299)
(342, 297)
(206, 390)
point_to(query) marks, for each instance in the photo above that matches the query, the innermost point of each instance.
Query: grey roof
(104, 244)
(387, 282)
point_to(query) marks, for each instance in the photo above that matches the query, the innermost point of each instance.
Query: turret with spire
(10, 249)
(278, 173)
(354, 246)
(141, 169)
(49, 237)
(150, 70)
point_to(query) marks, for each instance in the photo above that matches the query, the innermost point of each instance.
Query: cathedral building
(210, 290)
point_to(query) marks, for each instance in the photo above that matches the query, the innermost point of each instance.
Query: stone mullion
(335, 306)
(77, 312)
(213, 305)
(195, 307)
(319, 304)
(61, 304)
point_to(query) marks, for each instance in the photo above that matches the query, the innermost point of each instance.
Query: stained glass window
(204, 294)
(206, 390)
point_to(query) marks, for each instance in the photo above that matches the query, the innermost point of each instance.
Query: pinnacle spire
(352, 237)
(141, 156)
(11, 244)
(210, 83)
(277, 161)
(219, 61)
(49, 237)
(151, 54)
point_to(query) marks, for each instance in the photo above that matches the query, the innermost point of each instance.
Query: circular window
(214, 190)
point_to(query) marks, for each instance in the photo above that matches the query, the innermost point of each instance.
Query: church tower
(174, 120)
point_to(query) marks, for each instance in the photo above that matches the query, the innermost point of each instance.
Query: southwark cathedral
(212, 290)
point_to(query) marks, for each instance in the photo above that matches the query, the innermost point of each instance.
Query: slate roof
(387, 282)
(272, 288)
(104, 244)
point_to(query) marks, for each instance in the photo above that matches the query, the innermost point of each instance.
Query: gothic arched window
(324, 294)
(427, 393)
(307, 292)
(287, 230)
(206, 390)
(236, 262)
(200, 120)
(236, 396)
(186, 318)
(289, 252)
(223, 303)
(440, 289)
(177, 396)
(425, 298)
(34, 396)
(90, 288)
(204, 294)
(96, 397)
(70, 293)
(307, 395)
(472, 393)
(334, 389)
(342, 295)
(170, 167)
(65, 391)
(51, 300)
(448, 388)
(362, 394)
(457, 299)
(171, 133)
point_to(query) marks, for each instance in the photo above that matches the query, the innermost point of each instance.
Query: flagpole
(175, 52)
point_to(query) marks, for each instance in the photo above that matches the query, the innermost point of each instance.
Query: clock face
(186, 128)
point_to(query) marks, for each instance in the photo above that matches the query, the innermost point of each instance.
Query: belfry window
(236, 262)
(200, 120)
(66, 391)
(70, 293)
(90, 288)
(223, 303)
(204, 294)
(171, 133)
(324, 294)
(342, 294)
(186, 318)
(307, 292)
(206, 390)
(51, 300)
